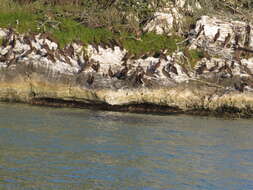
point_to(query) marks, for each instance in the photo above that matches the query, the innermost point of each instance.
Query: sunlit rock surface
(33, 69)
(165, 21)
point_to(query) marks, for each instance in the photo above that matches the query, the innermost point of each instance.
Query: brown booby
(70, 51)
(138, 78)
(247, 37)
(217, 35)
(6, 56)
(46, 47)
(103, 45)
(185, 70)
(12, 43)
(163, 56)
(67, 60)
(12, 61)
(4, 42)
(110, 73)
(237, 55)
(122, 74)
(27, 40)
(95, 67)
(126, 56)
(237, 39)
(28, 52)
(240, 86)
(57, 56)
(227, 39)
(90, 79)
(232, 64)
(50, 57)
(201, 69)
(152, 68)
(165, 73)
(247, 70)
(201, 28)
(173, 69)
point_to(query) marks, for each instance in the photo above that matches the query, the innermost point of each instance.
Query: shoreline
(221, 112)
(34, 69)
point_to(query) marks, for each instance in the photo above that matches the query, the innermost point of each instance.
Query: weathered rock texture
(34, 70)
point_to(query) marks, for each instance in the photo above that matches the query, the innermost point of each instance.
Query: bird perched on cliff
(247, 37)
(122, 74)
(28, 52)
(90, 79)
(5, 42)
(126, 57)
(152, 68)
(110, 73)
(10, 33)
(103, 45)
(46, 47)
(237, 39)
(12, 43)
(12, 61)
(237, 54)
(246, 70)
(173, 69)
(95, 66)
(50, 57)
(217, 35)
(67, 60)
(50, 53)
(201, 28)
(165, 72)
(6, 57)
(27, 40)
(70, 51)
(58, 56)
(232, 65)
(225, 68)
(115, 43)
(163, 56)
(138, 76)
(185, 70)
(240, 86)
(201, 68)
(226, 41)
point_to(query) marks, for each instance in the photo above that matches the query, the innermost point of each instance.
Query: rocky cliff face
(34, 69)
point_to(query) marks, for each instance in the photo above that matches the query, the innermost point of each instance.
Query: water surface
(76, 149)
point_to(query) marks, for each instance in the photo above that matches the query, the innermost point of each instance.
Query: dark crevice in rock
(137, 108)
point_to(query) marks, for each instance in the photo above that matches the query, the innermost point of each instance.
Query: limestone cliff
(33, 69)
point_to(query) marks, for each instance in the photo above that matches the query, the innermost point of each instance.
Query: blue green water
(57, 148)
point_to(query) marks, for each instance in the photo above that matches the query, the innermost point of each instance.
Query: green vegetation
(151, 42)
(70, 30)
(1, 41)
(20, 20)
(99, 21)
(89, 22)
(194, 56)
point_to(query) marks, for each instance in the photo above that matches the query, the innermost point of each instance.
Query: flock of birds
(37, 44)
(40, 45)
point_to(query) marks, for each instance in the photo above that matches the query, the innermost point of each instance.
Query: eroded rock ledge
(33, 69)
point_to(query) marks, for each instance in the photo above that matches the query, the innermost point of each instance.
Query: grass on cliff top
(15, 16)
(36, 17)
(71, 30)
(194, 55)
(20, 20)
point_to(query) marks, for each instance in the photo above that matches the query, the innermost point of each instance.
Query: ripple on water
(49, 148)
